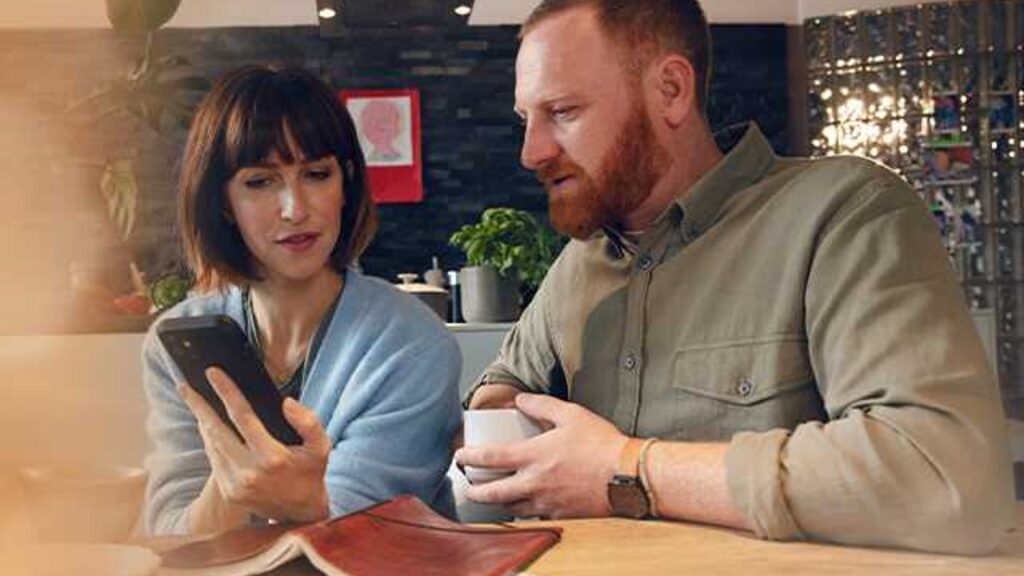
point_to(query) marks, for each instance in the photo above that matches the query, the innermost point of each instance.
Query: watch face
(627, 497)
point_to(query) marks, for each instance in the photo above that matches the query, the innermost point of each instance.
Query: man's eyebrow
(557, 100)
(547, 103)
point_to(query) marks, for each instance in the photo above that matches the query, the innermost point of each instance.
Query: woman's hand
(261, 475)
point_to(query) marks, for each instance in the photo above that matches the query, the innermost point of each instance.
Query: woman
(274, 209)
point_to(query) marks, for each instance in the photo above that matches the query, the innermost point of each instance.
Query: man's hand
(261, 474)
(494, 395)
(562, 473)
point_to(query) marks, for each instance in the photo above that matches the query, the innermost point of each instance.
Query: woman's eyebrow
(267, 163)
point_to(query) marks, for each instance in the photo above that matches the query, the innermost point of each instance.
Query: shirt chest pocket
(721, 389)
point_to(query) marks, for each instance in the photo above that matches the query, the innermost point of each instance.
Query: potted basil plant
(507, 255)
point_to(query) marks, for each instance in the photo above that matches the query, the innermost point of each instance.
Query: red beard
(627, 174)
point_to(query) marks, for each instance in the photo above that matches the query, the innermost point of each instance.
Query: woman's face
(289, 215)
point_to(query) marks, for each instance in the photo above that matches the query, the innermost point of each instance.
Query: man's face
(588, 137)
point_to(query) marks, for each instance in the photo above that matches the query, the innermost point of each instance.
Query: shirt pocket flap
(743, 372)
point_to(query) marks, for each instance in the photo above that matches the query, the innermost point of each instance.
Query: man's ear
(676, 84)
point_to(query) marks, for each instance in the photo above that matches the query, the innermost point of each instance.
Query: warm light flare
(863, 126)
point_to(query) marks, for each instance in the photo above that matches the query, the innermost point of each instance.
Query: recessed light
(463, 10)
(327, 13)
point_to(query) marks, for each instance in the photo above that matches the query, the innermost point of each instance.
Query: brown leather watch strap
(629, 458)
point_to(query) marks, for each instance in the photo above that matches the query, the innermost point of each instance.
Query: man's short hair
(246, 117)
(647, 29)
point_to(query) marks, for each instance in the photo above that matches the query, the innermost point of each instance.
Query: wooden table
(616, 547)
(620, 547)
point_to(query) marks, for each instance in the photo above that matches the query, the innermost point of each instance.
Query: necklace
(288, 381)
(280, 376)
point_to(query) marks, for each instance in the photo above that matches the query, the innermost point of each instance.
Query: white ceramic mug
(492, 428)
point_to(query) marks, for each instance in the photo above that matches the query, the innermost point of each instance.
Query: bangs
(262, 122)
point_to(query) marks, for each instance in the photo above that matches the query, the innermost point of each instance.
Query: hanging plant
(137, 16)
(149, 91)
(157, 93)
(146, 93)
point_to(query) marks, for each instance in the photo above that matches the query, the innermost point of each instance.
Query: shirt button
(745, 387)
(629, 363)
(646, 263)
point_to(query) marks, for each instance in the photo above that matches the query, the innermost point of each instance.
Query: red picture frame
(388, 124)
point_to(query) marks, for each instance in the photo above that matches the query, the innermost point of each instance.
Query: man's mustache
(548, 173)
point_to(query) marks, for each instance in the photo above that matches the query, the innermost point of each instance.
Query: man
(790, 330)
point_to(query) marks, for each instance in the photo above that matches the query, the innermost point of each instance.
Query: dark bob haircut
(247, 116)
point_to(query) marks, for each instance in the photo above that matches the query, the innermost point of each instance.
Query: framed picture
(388, 124)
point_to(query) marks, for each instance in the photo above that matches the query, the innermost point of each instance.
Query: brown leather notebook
(400, 536)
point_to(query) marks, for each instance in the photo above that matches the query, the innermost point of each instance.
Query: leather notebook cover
(401, 536)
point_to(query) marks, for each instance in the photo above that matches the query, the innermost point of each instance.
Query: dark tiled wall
(470, 138)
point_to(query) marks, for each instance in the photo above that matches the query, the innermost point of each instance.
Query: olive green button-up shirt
(806, 313)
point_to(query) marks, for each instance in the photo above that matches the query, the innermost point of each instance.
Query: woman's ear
(677, 89)
(350, 169)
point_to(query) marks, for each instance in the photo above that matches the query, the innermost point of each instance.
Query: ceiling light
(463, 10)
(327, 13)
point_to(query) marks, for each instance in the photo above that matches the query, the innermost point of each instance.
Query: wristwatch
(626, 492)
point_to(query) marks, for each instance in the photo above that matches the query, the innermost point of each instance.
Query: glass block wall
(935, 91)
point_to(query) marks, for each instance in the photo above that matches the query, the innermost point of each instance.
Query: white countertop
(480, 327)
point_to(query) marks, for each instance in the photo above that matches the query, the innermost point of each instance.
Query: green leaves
(121, 192)
(145, 91)
(156, 90)
(138, 16)
(511, 241)
(158, 101)
(168, 290)
(154, 93)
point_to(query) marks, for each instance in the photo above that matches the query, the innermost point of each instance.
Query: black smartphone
(200, 342)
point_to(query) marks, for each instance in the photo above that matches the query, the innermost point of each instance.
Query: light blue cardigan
(384, 385)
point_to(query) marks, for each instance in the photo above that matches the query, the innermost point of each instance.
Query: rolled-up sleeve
(915, 452)
(528, 357)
